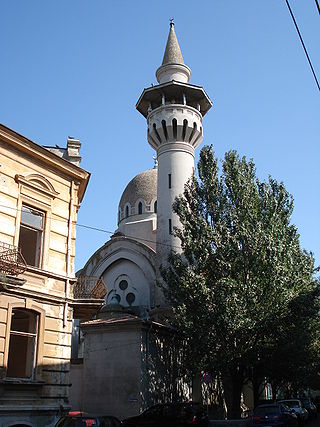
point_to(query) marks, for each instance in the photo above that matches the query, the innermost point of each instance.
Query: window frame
(30, 360)
(38, 193)
(38, 206)
(40, 233)
(34, 307)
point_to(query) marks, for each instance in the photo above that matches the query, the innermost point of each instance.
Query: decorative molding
(38, 183)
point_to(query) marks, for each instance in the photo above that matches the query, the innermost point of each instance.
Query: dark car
(296, 406)
(170, 415)
(317, 402)
(310, 407)
(81, 419)
(273, 415)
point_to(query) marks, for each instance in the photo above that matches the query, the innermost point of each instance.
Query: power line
(318, 7)
(127, 236)
(302, 42)
(101, 230)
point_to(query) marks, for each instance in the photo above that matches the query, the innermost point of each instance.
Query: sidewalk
(313, 423)
(246, 423)
(234, 423)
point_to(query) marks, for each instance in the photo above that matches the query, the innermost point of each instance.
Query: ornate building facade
(41, 190)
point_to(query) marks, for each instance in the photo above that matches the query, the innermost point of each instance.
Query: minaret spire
(172, 54)
(173, 66)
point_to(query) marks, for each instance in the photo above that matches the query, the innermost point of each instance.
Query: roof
(153, 94)
(41, 153)
(172, 54)
(142, 186)
(124, 319)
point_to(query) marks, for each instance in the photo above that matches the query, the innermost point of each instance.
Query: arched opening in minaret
(184, 129)
(174, 128)
(156, 132)
(155, 206)
(164, 128)
(193, 131)
(127, 211)
(140, 208)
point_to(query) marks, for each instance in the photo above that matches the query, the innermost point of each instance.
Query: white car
(299, 409)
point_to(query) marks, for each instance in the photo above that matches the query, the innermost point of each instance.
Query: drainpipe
(68, 255)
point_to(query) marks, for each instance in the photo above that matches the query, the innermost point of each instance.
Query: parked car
(274, 415)
(298, 408)
(81, 419)
(310, 407)
(170, 415)
(317, 402)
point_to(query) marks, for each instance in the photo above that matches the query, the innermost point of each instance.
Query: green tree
(241, 271)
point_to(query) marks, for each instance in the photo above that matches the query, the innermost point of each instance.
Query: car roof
(267, 406)
(85, 415)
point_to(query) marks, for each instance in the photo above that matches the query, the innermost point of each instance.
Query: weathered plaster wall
(111, 372)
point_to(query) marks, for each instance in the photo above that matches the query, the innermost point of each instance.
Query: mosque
(129, 357)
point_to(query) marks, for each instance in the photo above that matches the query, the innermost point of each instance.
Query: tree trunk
(256, 382)
(232, 386)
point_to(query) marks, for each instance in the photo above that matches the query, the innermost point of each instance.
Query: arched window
(140, 208)
(22, 354)
(155, 207)
(127, 211)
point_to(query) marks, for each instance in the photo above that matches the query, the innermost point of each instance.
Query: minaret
(174, 111)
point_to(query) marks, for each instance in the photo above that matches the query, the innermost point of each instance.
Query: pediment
(37, 182)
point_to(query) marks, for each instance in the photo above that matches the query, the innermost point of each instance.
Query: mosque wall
(141, 229)
(111, 369)
(128, 365)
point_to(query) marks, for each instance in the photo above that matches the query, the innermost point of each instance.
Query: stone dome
(142, 186)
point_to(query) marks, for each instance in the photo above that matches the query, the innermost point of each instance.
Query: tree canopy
(242, 281)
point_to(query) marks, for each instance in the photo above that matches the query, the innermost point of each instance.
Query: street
(314, 423)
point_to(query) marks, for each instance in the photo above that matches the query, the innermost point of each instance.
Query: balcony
(88, 296)
(12, 264)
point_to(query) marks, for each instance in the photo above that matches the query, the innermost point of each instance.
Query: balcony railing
(11, 260)
(89, 288)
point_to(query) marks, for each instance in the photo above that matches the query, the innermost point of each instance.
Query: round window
(130, 298)
(123, 285)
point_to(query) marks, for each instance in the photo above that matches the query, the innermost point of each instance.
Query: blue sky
(78, 67)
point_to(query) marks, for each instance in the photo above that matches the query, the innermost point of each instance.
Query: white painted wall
(138, 284)
(179, 164)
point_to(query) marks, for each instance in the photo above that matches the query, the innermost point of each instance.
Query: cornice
(21, 143)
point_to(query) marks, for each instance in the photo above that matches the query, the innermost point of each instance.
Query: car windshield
(291, 403)
(266, 410)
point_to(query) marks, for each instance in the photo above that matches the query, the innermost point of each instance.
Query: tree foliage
(242, 281)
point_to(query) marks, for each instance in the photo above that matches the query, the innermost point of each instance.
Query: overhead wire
(318, 7)
(102, 230)
(302, 42)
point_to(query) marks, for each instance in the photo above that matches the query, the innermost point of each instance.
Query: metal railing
(11, 260)
(89, 287)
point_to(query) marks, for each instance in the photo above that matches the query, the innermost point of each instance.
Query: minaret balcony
(172, 123)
